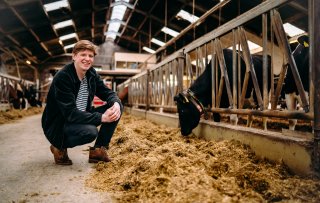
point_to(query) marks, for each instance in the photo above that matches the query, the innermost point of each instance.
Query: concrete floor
(28, 172)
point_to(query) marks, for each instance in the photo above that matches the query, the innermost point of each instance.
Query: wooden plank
(236, 22)
(213, 75)
(286, 47)
(234, 68)
(224, 71)
(265, 61)
(249, 65)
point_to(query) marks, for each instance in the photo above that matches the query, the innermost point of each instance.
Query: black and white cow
(189, 113)
(22, 96)
(16, 96)
(31, 95)
(301, 56)
(190, 102)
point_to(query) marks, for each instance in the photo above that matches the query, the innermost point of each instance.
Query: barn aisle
(28, 172)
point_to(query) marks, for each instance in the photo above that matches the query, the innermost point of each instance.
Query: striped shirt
(83, 94)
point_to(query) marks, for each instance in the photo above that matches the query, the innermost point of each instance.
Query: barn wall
(294, 152)
(105, 54)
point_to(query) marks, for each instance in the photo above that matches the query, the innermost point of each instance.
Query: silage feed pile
(154, 163)
(15, 114)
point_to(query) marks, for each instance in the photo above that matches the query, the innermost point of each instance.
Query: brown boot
(60, 156)
(98, 154)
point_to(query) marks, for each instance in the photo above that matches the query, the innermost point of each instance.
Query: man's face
(83, 60)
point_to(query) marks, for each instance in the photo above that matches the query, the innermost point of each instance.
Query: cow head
(189, 114)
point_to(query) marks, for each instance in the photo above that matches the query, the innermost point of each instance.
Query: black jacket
(61, 102)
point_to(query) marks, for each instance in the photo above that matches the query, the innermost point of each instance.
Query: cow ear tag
(186, 100)
(305, 44)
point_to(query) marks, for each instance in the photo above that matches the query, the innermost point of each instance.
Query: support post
(314, 27)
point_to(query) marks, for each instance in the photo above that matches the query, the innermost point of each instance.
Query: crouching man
(69, 119)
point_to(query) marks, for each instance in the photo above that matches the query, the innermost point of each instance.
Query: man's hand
(112, 114)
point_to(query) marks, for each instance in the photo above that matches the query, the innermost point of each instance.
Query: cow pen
(8, 89)
(151, 92)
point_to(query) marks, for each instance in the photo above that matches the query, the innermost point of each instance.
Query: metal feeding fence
(156, 87)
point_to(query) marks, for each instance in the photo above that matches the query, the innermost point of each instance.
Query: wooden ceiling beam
(28, 28)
